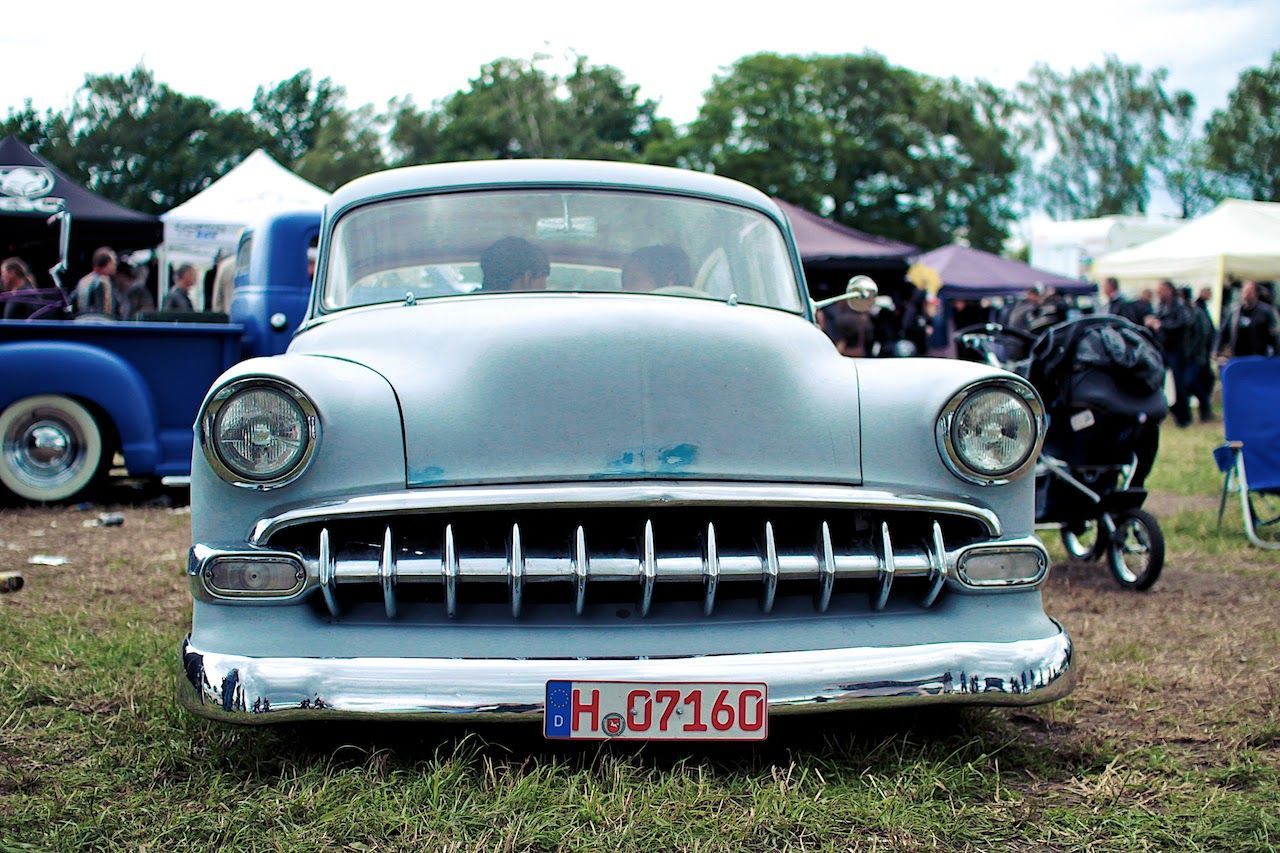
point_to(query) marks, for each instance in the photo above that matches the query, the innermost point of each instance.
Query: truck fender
(91, 374)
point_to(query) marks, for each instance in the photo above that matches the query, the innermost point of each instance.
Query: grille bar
(387, 573)
(515, 569)
(771, 568)
(392, 568)
(938, 573)
(885, 571)
(710, 571)
(450, 568)
(827, 569)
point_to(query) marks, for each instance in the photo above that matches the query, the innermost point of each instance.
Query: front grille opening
(614, 540)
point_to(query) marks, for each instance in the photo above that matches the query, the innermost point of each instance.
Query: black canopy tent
(832, 253)
(32, 190)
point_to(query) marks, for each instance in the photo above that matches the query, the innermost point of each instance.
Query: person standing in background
(96, 293)
(179, 297)
(1251, 328)
(16, 278)
(1170, 322)
(1199, 347)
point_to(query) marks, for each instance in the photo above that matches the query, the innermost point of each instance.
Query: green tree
(876, 146)
(514, 108)
(305, 125)
(1189, 177)
(140, 143)
(348, 145)
(289, 116)
(1101, 136)
(47, 134)
(1244, 138)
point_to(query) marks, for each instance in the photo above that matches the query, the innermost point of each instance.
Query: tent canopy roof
(30, 188)
(967, 273)
(258, 185)
(821, 239)
(1237, 238)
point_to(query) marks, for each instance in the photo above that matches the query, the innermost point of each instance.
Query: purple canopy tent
(967, 273)
(832, 253)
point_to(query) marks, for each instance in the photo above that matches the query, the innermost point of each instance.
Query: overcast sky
(378, 50)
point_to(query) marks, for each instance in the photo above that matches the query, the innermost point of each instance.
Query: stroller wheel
(1082, 541)
(1136, 552)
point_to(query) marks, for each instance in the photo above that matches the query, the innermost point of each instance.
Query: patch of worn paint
(627, 460)
(676, 457)
(430, 474)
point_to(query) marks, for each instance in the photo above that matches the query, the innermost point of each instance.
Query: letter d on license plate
(652, 710)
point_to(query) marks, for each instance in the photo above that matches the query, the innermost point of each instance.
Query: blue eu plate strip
(559, 701)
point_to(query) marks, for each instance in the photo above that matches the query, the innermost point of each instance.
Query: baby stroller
(1102, 381)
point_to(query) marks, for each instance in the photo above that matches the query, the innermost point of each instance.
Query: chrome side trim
(239, 689)
(644, 494)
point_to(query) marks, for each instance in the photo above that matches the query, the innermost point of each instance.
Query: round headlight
(259, 433)
(989, 433)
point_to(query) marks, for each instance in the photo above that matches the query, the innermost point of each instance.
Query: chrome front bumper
(241, 689)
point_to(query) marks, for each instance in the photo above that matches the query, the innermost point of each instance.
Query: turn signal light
(1003, 567)
(264, 576)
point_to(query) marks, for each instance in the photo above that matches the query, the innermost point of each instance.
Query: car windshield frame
(760, 268)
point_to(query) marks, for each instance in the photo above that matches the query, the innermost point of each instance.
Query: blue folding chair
(1251, 422)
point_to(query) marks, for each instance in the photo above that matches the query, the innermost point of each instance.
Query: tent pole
(1220, 285)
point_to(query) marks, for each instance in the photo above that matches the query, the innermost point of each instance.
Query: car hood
(540, 387)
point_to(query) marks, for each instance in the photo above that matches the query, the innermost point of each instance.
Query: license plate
(650, 710)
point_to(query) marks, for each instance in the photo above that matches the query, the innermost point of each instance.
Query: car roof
(577, 173)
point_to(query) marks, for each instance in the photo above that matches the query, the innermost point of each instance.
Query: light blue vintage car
(560, 441)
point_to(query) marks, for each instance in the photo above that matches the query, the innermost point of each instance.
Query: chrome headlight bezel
(209, 426)
(1018, 389)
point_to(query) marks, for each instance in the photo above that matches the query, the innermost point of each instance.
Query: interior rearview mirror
(860, 293)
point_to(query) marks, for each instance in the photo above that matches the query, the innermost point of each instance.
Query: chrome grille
(639, 555)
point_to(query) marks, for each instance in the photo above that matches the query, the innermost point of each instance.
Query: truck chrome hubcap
(43, 450)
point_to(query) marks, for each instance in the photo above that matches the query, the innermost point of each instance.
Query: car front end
(453, 504)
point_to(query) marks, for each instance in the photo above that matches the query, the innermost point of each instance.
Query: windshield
(587, 241)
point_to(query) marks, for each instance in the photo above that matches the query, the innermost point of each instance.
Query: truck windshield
(593, 241)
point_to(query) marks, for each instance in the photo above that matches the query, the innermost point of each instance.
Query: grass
(1171, 741)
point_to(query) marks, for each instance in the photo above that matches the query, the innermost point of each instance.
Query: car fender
(96, 376)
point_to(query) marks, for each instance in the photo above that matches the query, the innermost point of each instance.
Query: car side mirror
(860, 293)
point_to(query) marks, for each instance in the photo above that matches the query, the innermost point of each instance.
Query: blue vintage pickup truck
(73, 394)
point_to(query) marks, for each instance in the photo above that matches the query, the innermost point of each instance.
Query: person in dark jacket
(179, 298)
(1199, 349)
(96, 292)
(1170, 323)
(1251, 328)
(1121, 305)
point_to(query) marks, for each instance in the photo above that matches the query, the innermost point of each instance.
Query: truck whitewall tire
(51, 448)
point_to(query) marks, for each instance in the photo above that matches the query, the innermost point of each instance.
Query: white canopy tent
(1237, 239)
(1069, 247)
(207, 227)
